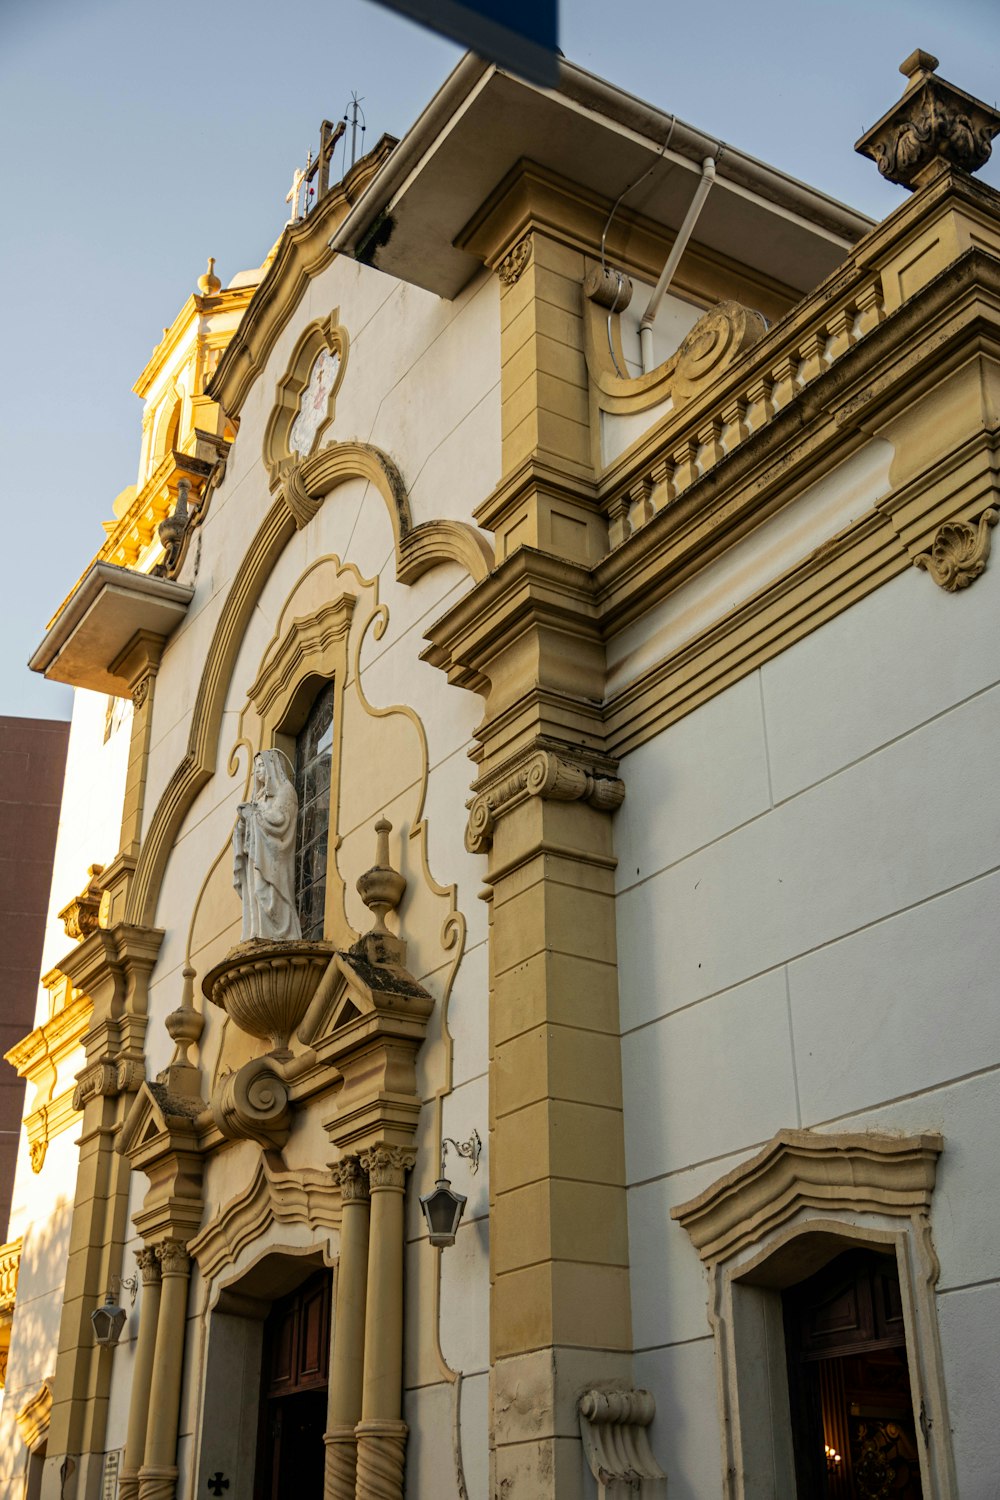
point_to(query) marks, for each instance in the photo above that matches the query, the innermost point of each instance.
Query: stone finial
(209, 284)
(381, 888)
(934, 124)
(184, 1026)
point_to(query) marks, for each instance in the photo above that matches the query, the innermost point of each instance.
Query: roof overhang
(86, 645)
(483, 122)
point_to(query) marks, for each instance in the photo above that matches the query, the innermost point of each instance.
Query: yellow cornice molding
(151, 505)
(728, 490)
(302, 253)
(53, 1041)
(934, 354)
(231, 299)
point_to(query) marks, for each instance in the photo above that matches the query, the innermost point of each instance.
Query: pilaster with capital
(347, 1354)
(111, 966)
(158, 1475)
(381, 1433)
(142, 1373)
(542, 814)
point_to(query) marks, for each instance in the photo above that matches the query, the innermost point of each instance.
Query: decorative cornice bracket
(614, 1427)
(959, 552)
(541, 772)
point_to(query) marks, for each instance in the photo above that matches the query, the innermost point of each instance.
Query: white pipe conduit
(673, 259)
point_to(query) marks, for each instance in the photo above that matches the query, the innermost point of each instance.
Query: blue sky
(140, 139)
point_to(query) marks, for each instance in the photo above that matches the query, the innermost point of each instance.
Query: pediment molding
(272, 1196)
(804, 1169)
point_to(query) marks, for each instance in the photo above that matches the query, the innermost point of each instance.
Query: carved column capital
(387, 1166)
(174, 1258)
(149, 1264)
(541, 772)
(352, 1179)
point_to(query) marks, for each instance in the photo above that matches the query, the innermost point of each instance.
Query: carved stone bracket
(614, 1428)
(959, 552)
(540, 773)
(100, 1078)
(254, 1103)
(80, 916)
(291, 489)
(513, 264)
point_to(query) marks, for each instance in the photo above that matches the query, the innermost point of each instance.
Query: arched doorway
(853, 1427)
(293, 1390)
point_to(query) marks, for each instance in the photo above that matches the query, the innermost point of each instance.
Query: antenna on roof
(351, 118)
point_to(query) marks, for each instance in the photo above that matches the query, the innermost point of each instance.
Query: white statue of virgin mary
(264, 853)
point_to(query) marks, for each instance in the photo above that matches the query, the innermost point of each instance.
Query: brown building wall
(32, 765)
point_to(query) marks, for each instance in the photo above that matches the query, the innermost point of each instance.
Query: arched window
(313, 758)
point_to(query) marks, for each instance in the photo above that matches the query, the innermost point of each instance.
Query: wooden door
(294, 1373)
(849, 1387)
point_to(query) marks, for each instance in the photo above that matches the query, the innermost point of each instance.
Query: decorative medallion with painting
(314, 403)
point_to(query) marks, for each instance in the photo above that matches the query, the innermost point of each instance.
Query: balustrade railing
(738, 404)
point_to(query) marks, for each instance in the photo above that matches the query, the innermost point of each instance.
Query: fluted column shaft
(142, 1373)
(381, 1432)
(158, 1475)
(348, 1351)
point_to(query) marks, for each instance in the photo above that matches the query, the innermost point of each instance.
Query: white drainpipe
(676, 251)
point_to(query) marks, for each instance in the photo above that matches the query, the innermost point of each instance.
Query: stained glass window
(313, 754)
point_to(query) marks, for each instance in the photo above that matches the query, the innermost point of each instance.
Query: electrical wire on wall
(604, 235)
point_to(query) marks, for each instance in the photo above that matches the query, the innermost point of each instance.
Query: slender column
(381, 1432)
(158, 1475)
(348, 1353)
(142, 1373)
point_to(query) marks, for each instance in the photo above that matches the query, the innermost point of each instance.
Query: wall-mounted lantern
(443, 1208)
(109, 1320)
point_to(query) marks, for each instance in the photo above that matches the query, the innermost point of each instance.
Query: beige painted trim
(272, 1196)
(776, 1219)
(417, 551)
(53, 1041)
